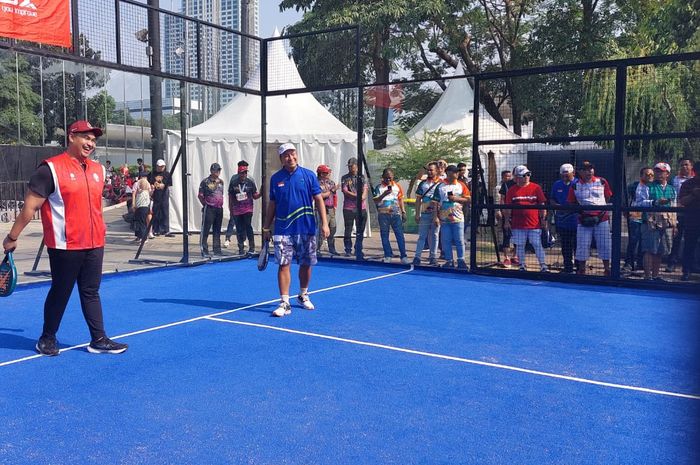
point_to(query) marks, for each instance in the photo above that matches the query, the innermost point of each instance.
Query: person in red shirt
(526, 224)
(68, 190)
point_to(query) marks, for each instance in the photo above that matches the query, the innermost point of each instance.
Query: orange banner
(43, 21)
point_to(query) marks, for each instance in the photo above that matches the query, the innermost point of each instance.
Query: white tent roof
(292, 118)
(454, 111)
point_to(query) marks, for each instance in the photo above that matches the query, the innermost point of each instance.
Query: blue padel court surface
(395, 366)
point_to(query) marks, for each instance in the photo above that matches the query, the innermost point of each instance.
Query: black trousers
(161, 220)
(244, 229)
(212, 218)
(67, 268)
(140, 219)
(350, 216)
(568, 246)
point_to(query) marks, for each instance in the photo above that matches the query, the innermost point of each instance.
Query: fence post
(619, 164)
(476, 165)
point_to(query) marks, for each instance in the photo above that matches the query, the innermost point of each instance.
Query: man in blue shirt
(565, 220)
(293, 193)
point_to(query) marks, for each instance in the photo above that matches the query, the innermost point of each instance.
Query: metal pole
(263, 125)
(618, 182)
(77, 81)
(184, 111)
(155, 83)
(476, 165)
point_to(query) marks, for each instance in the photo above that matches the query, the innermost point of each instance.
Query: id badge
(241, 196)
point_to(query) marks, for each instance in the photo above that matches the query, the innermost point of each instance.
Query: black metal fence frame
(618, 138)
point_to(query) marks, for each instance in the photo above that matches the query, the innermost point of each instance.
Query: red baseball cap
(323, 169)
(84, 126)
(242, 168)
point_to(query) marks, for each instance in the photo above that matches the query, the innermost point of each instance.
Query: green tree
(382, 41)
(660, 98)
(415, 153)
(64, 85)
(19, 104)
(100, 109)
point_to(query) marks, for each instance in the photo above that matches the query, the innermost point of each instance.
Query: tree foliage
(19, 104)
(416, 152)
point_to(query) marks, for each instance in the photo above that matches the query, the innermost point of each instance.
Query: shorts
(657, 241)
(299, 246)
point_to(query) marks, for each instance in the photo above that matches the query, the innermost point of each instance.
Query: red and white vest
(72, 215)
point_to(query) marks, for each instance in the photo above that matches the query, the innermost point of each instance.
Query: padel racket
(8, 275)
(264, 256)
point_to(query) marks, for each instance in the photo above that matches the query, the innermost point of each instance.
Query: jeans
(521, 237)
(452, 233)
(350, 217)
(634, 245)
(245, 229)
(427, 230)
(231, 228)
(393, 221)
(567, 238)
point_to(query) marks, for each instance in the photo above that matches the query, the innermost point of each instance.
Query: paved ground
(120, 250)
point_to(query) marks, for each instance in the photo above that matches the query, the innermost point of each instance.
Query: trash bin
(410, 226)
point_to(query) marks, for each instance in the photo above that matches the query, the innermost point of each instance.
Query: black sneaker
(104, 345)
(47, 345)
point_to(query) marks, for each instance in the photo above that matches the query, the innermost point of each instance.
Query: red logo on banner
(43, 21)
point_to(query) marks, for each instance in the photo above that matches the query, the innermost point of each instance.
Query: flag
(42, 21)
(384, 96)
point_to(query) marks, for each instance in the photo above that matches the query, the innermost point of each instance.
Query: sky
(135, 87)
(270, 17)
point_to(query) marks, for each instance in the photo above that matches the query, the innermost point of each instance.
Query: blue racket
(8, 275)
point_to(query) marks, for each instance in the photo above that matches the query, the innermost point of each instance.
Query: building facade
(224, 57)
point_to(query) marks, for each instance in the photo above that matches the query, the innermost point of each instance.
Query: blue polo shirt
(560, 192)
(293, 194)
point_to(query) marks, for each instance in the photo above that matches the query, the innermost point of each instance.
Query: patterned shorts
(301, 246)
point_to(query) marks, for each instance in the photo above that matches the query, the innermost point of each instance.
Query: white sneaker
(283, 309)
(305, 301)
(227, 243)
(387, 259)
(151, 236)
(405, 261)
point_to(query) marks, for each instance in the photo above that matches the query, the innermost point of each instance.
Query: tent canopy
(233, 134)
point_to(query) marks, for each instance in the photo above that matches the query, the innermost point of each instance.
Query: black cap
(215, 167)
(451, 169)
(586, 165)
(243, 163)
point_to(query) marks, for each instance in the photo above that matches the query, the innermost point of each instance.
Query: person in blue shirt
(565, 220)
(294, 191)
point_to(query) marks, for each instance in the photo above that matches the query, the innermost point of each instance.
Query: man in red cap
(68, 190)
(330, 200)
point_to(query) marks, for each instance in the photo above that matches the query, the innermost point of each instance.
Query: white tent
(454, 111)
(233, 134)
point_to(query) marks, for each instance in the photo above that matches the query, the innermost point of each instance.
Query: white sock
(304, 291)
(285, 298)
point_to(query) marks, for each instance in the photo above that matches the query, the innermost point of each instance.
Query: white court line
(225, 312)
(463, 360)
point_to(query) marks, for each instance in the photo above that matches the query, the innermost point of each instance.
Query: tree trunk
(382, 68)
